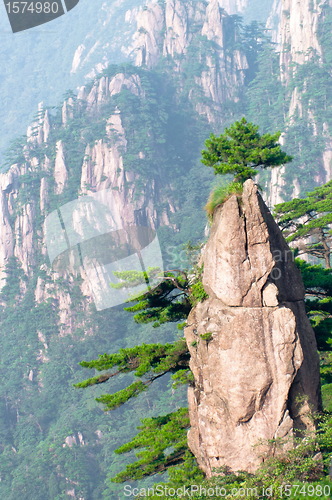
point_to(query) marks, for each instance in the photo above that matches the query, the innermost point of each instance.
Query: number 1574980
(32, 7)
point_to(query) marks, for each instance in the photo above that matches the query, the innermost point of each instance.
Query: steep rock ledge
(257, 376)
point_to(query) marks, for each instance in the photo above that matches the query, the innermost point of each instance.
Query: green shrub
(219, 195)
(294, 474)
(206, 336)
(198, 294)
(327, 397)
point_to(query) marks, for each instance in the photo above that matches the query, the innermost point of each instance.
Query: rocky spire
(256, 368)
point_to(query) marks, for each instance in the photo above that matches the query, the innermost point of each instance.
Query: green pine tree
(241, 150)
(306, 221)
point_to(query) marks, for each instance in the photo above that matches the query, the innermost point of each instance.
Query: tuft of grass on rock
(220, 194)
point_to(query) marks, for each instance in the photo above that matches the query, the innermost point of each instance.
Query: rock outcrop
(101, 169)
(170, 32)
(256, 368)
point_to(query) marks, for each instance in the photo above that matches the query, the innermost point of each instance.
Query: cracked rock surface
(257, 377)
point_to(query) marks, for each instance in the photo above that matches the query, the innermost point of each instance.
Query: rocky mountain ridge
(169, 30)
(102, 160)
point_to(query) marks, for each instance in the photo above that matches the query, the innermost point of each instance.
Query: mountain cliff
(131, 135)
(175, 31)
(133, 131)
(253, 351)
(45, 62)
(301, 34)
(89, 145)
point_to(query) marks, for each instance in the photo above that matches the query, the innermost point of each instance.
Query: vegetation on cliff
(170, 302)
(306, 221)
(241, 150)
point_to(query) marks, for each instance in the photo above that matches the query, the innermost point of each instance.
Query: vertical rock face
(172, 31)
(257, 371)
(297, 29)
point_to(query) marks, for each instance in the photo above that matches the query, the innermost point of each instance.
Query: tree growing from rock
(162, 441)
(241, 150)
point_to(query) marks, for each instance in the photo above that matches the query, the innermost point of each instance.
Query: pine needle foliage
(163, 443)
(318, 285)
(241, 150)
(147, 361)
(168, 302)
(310, 219)
(198, 293)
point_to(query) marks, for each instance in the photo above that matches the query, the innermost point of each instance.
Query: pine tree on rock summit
(241, 150)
